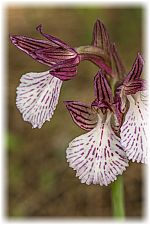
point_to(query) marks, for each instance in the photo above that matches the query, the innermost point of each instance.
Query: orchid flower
(103, 153)
(133, 94)
(97, 156)
(38, 93)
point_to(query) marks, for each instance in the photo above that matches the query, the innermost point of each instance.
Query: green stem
(118, 198)
(89, 49)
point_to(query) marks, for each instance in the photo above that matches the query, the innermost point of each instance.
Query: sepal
(102, 91)
(132, 82)
(82, 114)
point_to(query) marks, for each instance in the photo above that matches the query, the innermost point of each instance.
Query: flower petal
(97, 155)
(134, 129)
(101, 37)
(118, 106)
(32, 47)
(37, 97)
(43, 51)
(102, 41)
(82, 114)
(136, 70)
(103, 91)
(133, 83)
(135, 86)
(54, 40)
(67, 69)
(119, 68)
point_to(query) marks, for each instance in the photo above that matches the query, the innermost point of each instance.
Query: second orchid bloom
(103, 153)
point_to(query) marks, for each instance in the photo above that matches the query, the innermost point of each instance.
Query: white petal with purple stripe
(97, 155)
(134, 129)
(37, 97)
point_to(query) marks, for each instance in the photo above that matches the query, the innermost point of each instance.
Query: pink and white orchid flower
(103, 153)
(97, 156)
(38, 93)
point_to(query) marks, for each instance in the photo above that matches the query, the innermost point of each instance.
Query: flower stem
(118, 198)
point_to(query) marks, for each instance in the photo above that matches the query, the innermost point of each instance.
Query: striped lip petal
(133, 83)
(37, 97)
(97, 155)
(82, 114)
(134, 129)
(103, 91)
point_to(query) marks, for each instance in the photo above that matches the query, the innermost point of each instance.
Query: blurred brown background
(40, 182)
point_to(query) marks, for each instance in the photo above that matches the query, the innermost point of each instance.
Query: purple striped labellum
(37, 97)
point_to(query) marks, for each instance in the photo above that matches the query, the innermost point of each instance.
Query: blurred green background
(40, 182)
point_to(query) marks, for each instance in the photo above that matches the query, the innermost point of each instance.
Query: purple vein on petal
(102, 89)
(82, 114)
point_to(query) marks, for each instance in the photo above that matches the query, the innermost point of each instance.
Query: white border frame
(103, 3)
